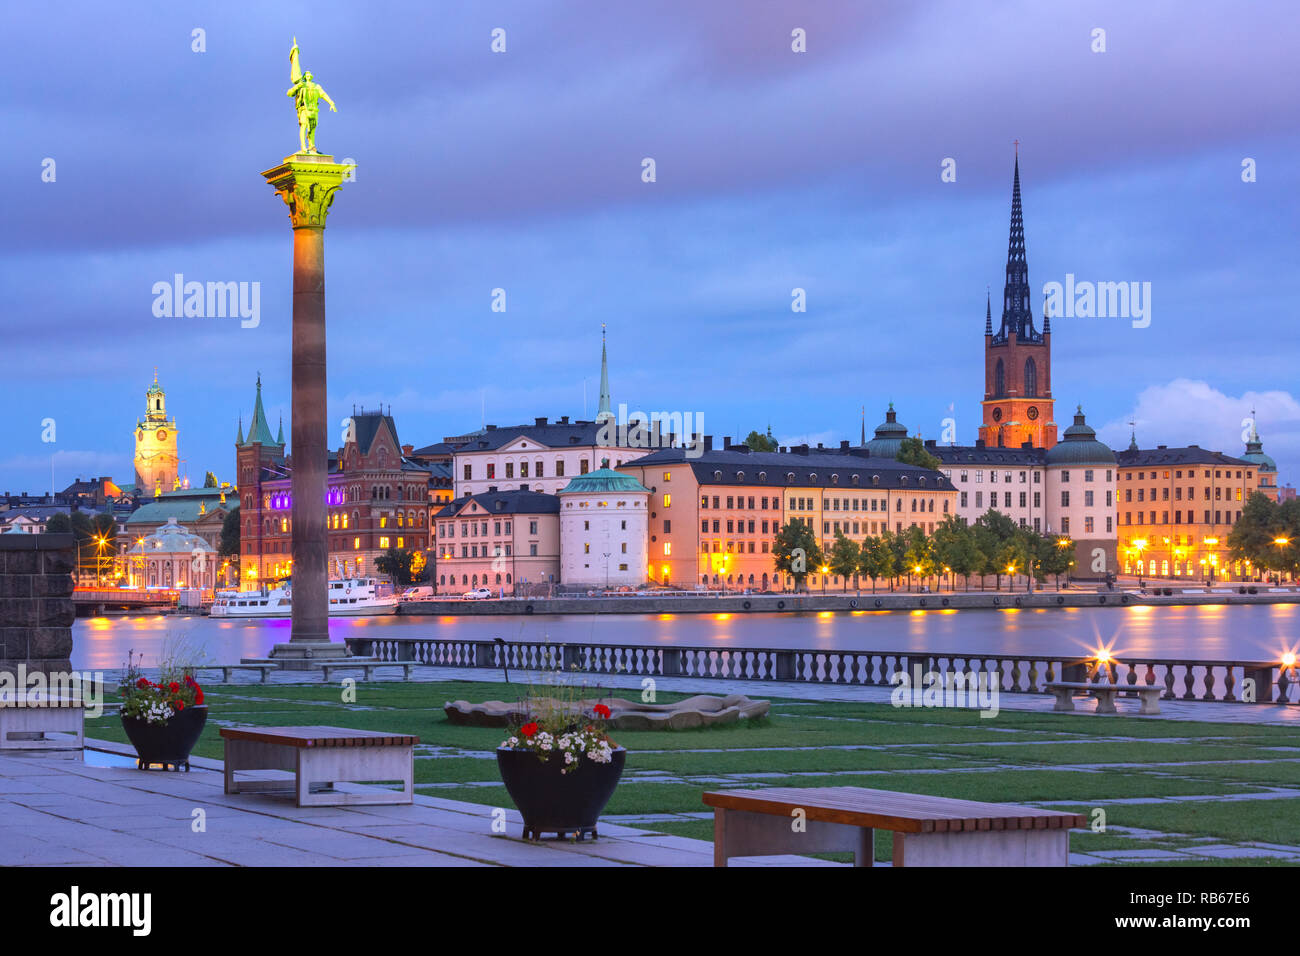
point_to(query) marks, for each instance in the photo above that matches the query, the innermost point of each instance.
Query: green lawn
(1015, 757)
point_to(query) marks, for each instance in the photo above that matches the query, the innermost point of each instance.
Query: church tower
(1017, 358)
(156, 463)
(255, 457)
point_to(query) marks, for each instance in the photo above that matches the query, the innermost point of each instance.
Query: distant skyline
(775, 170)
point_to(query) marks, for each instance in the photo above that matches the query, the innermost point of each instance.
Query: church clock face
(139, 434)
(162, 434)
(997, 414)
(1033, 413)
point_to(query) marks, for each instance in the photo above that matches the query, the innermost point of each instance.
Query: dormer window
(762, 476)
(717, 476)
(856, 479)
(835, 479)
(875, 479)
(740, 476)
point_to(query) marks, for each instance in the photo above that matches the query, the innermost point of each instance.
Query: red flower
(529, 729)
(600, 710)
(198, 695)
(173, 687)
(142, 683)
(180, 705)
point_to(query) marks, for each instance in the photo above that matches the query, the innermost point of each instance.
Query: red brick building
(377, 499)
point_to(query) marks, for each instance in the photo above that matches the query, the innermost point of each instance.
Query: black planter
(555, 802)
(167, 744)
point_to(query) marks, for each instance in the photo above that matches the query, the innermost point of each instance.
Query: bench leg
(266, 674)
(225, 675)
(1105, 701)
(719, 836)
(1064, 700)
(983, 848)
(1150, 704)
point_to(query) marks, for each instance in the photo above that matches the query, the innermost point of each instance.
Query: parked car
(477, 594)
(423, 592)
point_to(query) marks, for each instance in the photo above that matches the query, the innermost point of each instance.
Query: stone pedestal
(307, 183)
(302, 655)
(36, 609)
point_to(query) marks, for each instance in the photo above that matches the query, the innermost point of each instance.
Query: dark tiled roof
(366, 425)
(553, 435)
(734, 467)
(1191, 455)
(974, 455)
(504, 502)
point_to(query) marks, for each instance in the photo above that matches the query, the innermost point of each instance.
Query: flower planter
(555, 802)
(167, 744)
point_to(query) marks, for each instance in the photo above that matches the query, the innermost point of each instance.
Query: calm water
(1216, 632)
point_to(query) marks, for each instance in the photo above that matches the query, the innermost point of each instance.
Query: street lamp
(824, 569)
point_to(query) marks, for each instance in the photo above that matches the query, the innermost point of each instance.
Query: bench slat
(892, 810)
(319, 736)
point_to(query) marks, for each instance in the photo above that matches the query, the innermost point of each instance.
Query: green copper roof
(604, 480)
(258, 429)
(1255, 449)
(889, 436)
(239, 435)
(1079, 446)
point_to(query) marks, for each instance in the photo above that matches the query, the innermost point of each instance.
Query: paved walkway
(57, 810)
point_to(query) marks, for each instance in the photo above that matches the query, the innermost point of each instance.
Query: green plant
(157, 702)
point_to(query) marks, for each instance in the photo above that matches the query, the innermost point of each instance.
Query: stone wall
(36, 609)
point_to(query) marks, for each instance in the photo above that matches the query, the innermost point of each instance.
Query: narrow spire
(988, 311)
(1133, 436)
(1017, 316)
(1047, 319)
(258, 429)
(604, 411)
(279, 439)
(864, 424)
(239, 437)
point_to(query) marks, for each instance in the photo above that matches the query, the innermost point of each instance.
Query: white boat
(352, 597)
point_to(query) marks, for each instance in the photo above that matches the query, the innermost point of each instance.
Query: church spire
(603, 412)
(1016, 313)
(988, 311)
(259, 430)
(279, 439)
(864, 424)
(239, 436)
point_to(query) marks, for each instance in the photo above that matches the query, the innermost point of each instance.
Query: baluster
(1151, 674)
(1209, 683)
(1169, 683)
(1188, 680)
(1283, 685)
(1015, 676)
(1229, 682)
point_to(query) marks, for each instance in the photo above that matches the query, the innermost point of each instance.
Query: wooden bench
(367, 667)
(928, 831)
(228, 669)
(26, 723)
(322, 757)
(1105, 694)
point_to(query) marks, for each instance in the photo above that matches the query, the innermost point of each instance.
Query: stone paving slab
(69, 813)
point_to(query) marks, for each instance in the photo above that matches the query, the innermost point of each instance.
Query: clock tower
(156, 462)
(1017, 358)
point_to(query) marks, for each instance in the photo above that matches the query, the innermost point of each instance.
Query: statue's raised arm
(306, 100)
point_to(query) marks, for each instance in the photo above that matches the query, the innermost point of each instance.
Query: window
(668, 548)
(523, 469)
(1088, 524)
(469, 471)
(1087, 474)
(491, 469)
(1087, 501)
(532, 526)
(584, 466)
(559, 468)
(1065, 499)
(668, 501)
(1031, 378)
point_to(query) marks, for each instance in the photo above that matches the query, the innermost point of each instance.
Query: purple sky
(775, 170)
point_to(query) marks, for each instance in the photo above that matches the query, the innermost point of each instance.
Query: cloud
(1190, 411)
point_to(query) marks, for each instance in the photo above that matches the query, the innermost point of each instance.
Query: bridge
(90, 602)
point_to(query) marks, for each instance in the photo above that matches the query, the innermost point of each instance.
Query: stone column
(307, 183)
(36, 609)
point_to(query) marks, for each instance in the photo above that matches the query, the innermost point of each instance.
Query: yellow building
(713, 517)
(157, 464)
(1176, 509)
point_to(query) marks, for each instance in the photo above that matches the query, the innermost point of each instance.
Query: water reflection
(1207, 632)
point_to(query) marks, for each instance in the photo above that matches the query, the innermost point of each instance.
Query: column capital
(307, 183)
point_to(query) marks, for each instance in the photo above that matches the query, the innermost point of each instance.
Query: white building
(604, 525)
(171, 557)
